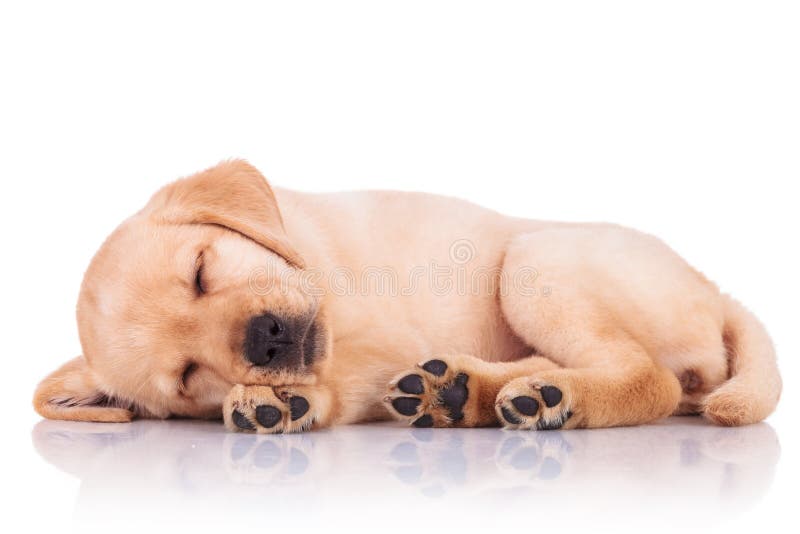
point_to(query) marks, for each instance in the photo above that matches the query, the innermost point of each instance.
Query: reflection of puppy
(262, 460)
(698, 468)
(213, 302)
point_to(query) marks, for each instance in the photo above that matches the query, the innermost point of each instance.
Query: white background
(678, 118)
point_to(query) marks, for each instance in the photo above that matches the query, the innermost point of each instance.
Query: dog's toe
(241, 421)
(435, 367)
(551, 395)
(406, 405)
(526, 405)
(298, 407)
(411, 384)
(268, 416)
(509, 417)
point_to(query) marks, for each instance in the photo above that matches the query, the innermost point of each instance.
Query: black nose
(275, 341)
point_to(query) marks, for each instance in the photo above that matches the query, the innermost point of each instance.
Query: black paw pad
(551, 395)
(241, 421)
(455, 396)
(509, 416)
(268, 416)
(411, 384)
(298, 406)
(435, 367)
(406, 405)
(526, 405)
(426, 421)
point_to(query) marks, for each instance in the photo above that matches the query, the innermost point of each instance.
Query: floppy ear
(73, 393)
(234, 195)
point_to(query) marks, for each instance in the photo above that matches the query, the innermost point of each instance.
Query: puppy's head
(198, 291)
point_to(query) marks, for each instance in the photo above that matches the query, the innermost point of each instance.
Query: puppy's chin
(279, 377)
(263, 377)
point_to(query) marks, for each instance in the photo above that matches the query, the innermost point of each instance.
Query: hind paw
(533, 404)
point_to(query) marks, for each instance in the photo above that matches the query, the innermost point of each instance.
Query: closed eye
(198, 276)
(188, 371)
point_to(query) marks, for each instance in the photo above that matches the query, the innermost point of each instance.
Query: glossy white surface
(678, 474)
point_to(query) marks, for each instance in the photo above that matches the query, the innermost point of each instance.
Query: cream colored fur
(619, 324)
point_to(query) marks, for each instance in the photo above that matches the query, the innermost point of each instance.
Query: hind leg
(598, 320)
(595, 396)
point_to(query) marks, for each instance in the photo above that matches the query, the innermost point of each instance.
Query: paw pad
(509, 416)
(298, 406)
(526, 405)
(435, 367)
(411, 384)
(268, 416)
(241, 421)
(406, 405)
(455, 396)
(551, 395)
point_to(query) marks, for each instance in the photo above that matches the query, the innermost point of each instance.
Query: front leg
(275, 410)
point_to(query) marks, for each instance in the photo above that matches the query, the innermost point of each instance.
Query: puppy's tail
(754, 387)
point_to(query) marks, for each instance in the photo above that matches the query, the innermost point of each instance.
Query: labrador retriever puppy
(282, 311)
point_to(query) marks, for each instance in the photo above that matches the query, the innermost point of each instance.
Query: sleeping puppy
(282, 311)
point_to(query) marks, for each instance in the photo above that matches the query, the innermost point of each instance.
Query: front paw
(435, 393)
(268, 410)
